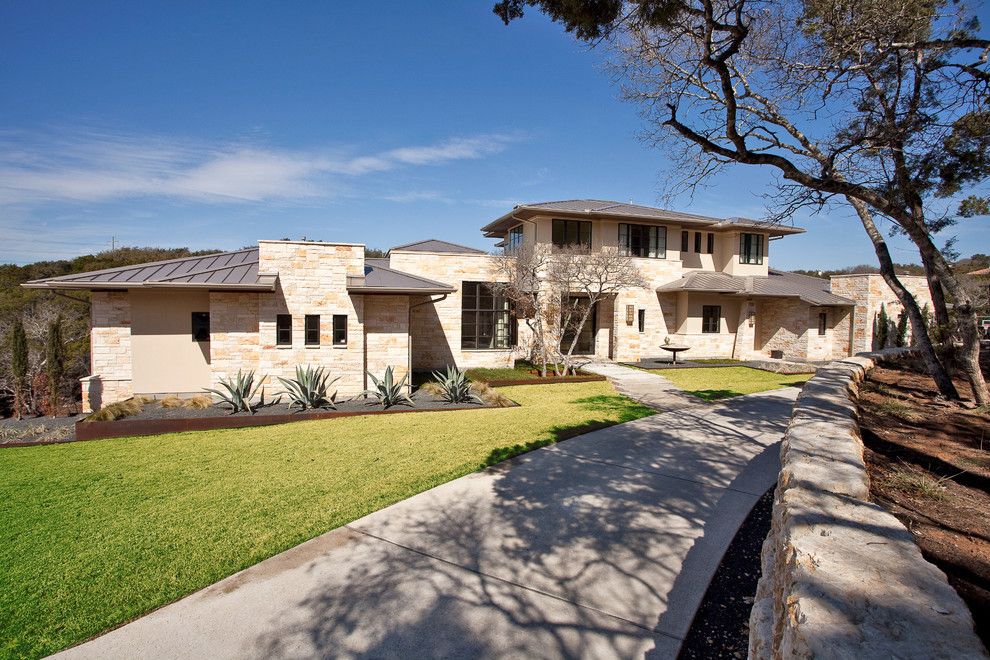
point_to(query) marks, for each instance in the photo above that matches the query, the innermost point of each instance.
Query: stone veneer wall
(869, 291)
(782, 324)
(110, 350)
(312, 279)
(234, 338)
(386, 339)
(628, 343)
(842, 578)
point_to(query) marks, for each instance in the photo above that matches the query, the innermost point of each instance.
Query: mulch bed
(929, 465)
(721, 625)
(34, 430)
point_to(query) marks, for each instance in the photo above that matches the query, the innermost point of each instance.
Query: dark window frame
(571, 233)
(685, 240)
(641, 320)
(748, 243)
(492, 319)
(283, 329)
(311, 335)
(514, 239)
(339, 330)
(707, 319)
(822, 323)
(697, 242)
(200, 326)
(651, 239)
(711, 243)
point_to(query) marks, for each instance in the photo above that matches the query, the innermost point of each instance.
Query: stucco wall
(870, 291)
(165, 359)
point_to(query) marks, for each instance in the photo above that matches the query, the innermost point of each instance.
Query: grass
(521, 370)
(917, 483)
(897, 409)
(713, 383)
(93, 534)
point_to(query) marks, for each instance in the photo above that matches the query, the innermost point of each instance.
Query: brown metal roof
(436, 245)
(620, 210)
(224, 270)
(778, 283)
(380, 279)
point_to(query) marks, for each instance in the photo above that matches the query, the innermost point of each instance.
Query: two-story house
(179, 326)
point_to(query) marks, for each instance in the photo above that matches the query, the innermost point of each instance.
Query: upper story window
(711, 243)
(697, 242)
(515, 238)
(486, 318)
(283, 330)
(751, 248)
(643, 241)
(685, 237)
(572, 233)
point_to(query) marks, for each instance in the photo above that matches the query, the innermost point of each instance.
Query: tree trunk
(966, 320)
(919, 331)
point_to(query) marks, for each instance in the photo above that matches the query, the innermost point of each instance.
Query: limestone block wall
(869, 291)
(110, 350)
(436, 327)
(234, 338)
(842, 578)
(312, 279)
(629, 344)
(782, 324)
(386, 334)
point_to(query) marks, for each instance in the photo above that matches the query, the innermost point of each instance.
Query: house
(178, 326)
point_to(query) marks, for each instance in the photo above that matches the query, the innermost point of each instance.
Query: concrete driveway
(600, 546)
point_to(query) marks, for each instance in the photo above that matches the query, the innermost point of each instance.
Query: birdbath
(674, 350)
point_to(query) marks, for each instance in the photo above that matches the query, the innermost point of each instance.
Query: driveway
(600, 546)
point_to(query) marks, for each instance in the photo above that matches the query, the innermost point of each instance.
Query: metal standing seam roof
(224, 270)
(436, 245)
(778, 283)
(380, 278)
(625, 210)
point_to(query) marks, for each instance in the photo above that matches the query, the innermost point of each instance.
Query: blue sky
(182, 124)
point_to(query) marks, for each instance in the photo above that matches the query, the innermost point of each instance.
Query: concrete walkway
(600, 546)
(647, 388)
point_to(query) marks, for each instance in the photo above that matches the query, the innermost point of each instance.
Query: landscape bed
(525, 373)
(141, 522)
(929, 465)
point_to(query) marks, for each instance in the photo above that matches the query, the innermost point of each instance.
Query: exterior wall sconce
(630, 314)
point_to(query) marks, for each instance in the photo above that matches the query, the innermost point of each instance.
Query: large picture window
(751, 248)
(572, 233)
(711, 317)
(487, 320)
(643, 241)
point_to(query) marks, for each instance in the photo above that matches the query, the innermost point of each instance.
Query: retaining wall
(842, 578)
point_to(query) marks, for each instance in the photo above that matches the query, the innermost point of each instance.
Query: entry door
(586, 339)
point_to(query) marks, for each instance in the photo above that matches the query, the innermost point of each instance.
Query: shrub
(900, 339)
(118, 410)
(454, 386)
(55, 363)
(238, 391)
(310, 388)
(198, 402)
(172, 401)
(388, 392)
(19, 365)
(432, 387)
(491, 396)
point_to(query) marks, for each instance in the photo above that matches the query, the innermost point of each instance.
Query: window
(642, 320)
(312, 329)
(711, 315)
(283, 330)
(201, 326)
(684, 240)
(515, 238)
(487, 320)
(751, 248)
(822, 323)
(697, 242)
(711, 243)
(643, 241)
(568, 233)
(340, 330)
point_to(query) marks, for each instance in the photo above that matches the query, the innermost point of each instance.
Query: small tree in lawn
(19, 364)
(522, 271)
(900, 339)
(55, 363)
(584, 280)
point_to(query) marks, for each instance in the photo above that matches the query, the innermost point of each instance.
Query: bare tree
(585, 279)
(879, 101)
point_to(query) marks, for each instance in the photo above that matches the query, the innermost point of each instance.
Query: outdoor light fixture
(630, 314)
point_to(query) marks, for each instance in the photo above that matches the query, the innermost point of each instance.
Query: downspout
(409, 333)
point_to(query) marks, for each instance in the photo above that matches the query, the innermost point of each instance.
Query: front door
(586, 337)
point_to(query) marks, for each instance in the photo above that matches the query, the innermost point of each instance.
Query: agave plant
(387, 391)
(238, 391)
(310, 388)
(455, 386)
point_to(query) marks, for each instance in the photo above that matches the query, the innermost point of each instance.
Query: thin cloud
(102, 167)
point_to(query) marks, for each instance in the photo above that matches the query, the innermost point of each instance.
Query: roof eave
(412, 291)
(124, 286)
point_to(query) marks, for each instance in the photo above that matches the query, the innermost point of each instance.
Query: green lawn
(520, 371)
(95, 533)
(713, 383)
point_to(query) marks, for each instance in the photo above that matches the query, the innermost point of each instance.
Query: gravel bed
(37, 429)
(422, 400)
